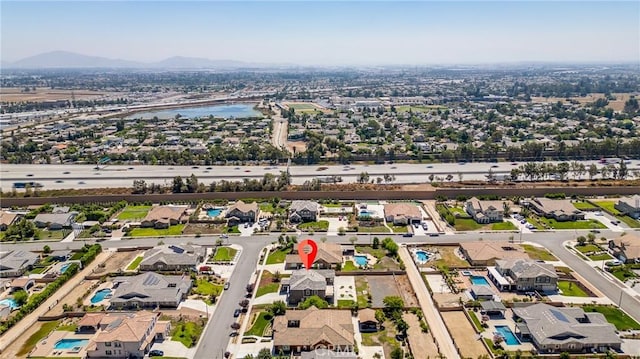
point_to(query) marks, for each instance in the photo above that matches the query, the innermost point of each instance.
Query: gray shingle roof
(310, 279)
(150, 288)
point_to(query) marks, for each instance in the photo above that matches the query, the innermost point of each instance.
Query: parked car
(425, 226)
(236, 313)
(408, 234)
(156, 353)
(226, 285)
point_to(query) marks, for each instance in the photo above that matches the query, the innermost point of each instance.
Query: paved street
(216, 336)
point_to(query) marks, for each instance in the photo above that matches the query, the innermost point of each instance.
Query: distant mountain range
(65, 59)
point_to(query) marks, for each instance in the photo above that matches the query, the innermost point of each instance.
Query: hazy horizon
(327, 33)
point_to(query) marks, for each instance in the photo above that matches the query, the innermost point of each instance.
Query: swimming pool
(362, 261)
(64, 267)
(507, 334)
(479, 280)
(100, 295)
(70, 343)
(10, 302)
(365, 213)
(422, 256)
(214, 212)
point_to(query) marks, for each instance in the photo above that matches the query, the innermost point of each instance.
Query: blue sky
(327, 33)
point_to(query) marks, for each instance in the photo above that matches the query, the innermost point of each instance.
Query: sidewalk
(431, 315)
(17, 330)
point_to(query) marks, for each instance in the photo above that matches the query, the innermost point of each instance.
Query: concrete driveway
(604, 220)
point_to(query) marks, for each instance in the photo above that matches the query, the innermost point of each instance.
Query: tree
(393, 306)
(244, 303)
(353, 240)
(277, 276)
(20, 297)
(177, 184)
(139, 186)
(397, 353)
(264, 353)
(593, 171)
(235, 326)
(278, 308)
(622, 170)
(380, 317)
(313, 301)
(192, 184)
(46, 249)
(363, 177)
(376, 243)
(581, 240)
(565, 355)
(591, 238)
(402, 326)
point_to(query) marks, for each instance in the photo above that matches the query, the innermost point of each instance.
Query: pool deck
(45, 348)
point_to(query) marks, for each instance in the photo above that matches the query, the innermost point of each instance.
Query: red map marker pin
(307, 251)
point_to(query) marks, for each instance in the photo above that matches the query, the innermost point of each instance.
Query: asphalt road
(86, 176)
(217, 334)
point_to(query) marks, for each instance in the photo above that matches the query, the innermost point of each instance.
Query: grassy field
(186, 333)
(52, 235)
(375, 229)
(349, 266)
(259, 325)
(584, 206)
(31, 342)
(277, 256)
(614, 316)
(399, 229)
(269, 207)
(135, 263)
(538, 253)
(319, 226)
(466, 224)
(609, 206)
(267, 285)
(204, 287)
(378, 253)
(361, 287)
(623, 273)
(633, 223)
(225, 254)
(152, 232)
(345, 303)
(588, 248)
(133, 213)
(448, 257)
(586, 224)
(503, 226)
(570, 289)
(600, 257)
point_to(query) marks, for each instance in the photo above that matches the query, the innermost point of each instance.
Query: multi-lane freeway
(87, 176)
(216, 337)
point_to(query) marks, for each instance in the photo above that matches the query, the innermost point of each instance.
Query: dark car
(156, 353)
(434, 234)
(408, 234)
(236, 313)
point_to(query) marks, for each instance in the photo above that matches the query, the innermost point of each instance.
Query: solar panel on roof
(151, 280)
(559, 315)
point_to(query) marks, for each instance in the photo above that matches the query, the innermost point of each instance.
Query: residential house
(402, 213)
(561, 210)
(328, 256)
(172, 258)
(303, 211)
(483, 253)
(629, 206)
(149, 290)
(306, 283)
(367, 321)
(556, 330)
(123, 335)
(626, 248)
(7, 219)
(301, 331)
(15, 263)
(485, 211)
(54, 221)
(242, 212)
(525, 275)
(164, 216)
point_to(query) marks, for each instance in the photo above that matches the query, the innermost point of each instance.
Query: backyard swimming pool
(479, 280)
(365, 213)
(422, 256)
(214, 212)
(100, 295)
(64, 267)
(71, 343)
(362, 261)
(507, 334)
(10, 302)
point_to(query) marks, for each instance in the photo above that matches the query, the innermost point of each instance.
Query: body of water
(223, 111)
(100, 295)
(71, 343)
(479, 280)
(507, 334)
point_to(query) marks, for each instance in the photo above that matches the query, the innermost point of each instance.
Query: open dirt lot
(118, 260)
(72, 298)
(464, 336)
(386, 285)
(13, 94)
(422, 345)
(300, 146)
(616, 105)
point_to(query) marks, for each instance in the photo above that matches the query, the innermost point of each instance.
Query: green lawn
(623, 273)
(345, 303)
(399, 229)
(584, 206)
(586, 224)
(266, 289)
(361, 287)
(135, 263)
(349, 266)
(570, 289)
(52, 235)
(538, 253)
(378, 253)
(44, 330)
(260, 324)
(609, 206)
(232, 229)
(134, 213)
(614, 316)
(203, 287)
(319, 226)
(152, 232)
(503, 226)
(633, 223)
(374, 229)
(225, 254)
(588, 248)
(277, 256)
(458, 210)
(37, 270)
(600, 257)
(466, 224)
(269, 207)
(68, 328)
(475, 321)
(187, 333)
